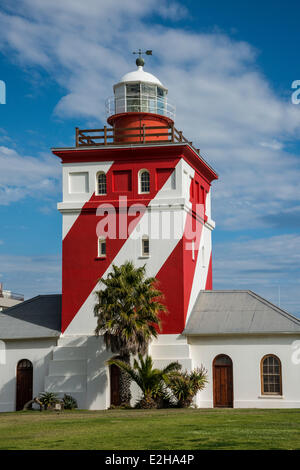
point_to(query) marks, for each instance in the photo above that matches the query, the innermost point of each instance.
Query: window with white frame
(145, 246)
(144, 182)
(101, 247)
(101, 183)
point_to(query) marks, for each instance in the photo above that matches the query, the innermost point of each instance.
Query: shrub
(48, 399)
(69, 402)
(184, 385)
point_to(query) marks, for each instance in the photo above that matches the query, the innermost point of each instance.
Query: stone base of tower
(78, 368)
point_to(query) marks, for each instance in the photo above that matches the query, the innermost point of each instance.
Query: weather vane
(140, 61)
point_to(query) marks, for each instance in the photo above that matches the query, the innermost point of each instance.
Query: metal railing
(133, 135)
(139, 104)
(11, 295)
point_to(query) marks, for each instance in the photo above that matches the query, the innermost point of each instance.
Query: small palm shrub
(185, 385)
(69, 402)
(151, 381)
(48, 399)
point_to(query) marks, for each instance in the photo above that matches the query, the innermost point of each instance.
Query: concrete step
(65, 384)
(63, 353)
(72, 341)
(67, 367)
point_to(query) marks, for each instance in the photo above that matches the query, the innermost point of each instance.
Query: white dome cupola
(140, 92)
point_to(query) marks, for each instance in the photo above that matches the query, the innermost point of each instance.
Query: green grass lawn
(153, 430)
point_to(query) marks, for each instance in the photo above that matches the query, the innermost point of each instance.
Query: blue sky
(229, 67)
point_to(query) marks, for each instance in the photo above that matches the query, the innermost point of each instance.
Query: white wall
(246, 353)
(39, 352)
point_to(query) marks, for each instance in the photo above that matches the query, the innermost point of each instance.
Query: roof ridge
(28, 301)
(282, 312)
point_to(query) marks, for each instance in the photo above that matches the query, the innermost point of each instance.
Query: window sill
(98, 258)
(274, 397)
(144, 256)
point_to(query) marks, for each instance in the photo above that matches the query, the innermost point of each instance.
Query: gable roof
(238, 312)
(39, 317)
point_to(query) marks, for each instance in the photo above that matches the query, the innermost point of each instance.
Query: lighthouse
(135, 190)
(139, 190)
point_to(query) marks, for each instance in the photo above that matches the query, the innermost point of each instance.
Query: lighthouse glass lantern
(140, 92)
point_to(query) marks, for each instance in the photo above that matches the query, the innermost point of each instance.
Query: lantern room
(140, 102)
(140, 92)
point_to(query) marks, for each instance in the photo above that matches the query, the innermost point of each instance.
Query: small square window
(145, 247)
(101, 248)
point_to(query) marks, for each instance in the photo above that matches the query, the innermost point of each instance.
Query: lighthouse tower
(135, 190)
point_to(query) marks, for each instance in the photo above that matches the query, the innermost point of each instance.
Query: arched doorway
(24, 383)
(223, 382)
(115, 385)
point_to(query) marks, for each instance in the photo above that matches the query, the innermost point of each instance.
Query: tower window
(145, 246)
(101, 247)
(144, 182)
(193, 250)
(101, 183)
(271, 381)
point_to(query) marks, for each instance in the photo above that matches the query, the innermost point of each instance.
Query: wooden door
(24, 383)
(223, 382)
(115, 385)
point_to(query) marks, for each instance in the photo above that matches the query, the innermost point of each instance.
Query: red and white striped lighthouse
(139, 160)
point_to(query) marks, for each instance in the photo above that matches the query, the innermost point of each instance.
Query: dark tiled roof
(39, 317)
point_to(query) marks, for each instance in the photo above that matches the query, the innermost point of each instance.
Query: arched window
(145, 246)
(144, 182)
(101, 247)
(101, 183)
(271, 381)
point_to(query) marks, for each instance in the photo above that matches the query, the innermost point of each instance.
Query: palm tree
(151, 381)
(127, 312)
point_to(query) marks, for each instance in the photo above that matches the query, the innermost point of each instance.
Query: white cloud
(31, 275)
(23, 176)
(274, 145)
